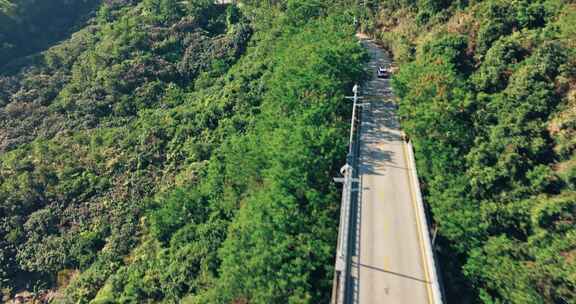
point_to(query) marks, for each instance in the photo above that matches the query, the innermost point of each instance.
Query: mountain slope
(167, 144)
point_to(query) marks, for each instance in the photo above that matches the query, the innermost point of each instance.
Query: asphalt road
(389, 264)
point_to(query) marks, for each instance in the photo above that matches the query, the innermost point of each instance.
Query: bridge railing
(342, 286)
(437, 295)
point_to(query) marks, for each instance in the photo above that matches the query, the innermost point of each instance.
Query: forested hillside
(164, 151)
(28, 26)
(173, 151)
(487, 92)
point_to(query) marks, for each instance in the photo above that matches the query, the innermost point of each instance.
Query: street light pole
(352, 123)
(342, 259)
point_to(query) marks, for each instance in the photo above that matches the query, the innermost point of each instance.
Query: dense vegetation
(181, 151)
(487, 91)
(176, 151)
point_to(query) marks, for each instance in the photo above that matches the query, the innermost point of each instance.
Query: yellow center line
(386, 263)
(418, 224)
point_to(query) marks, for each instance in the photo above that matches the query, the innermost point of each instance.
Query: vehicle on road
(383, 72)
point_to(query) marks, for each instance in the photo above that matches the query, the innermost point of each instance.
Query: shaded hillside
(28, 26)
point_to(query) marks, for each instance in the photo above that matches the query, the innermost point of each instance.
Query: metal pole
(341, 294)
(355, 90)
(347, 205)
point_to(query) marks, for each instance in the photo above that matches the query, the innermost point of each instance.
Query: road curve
(389, 261)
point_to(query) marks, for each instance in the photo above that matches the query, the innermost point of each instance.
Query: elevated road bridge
(385, 254)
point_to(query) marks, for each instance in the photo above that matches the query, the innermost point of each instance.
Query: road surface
(389, 265)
